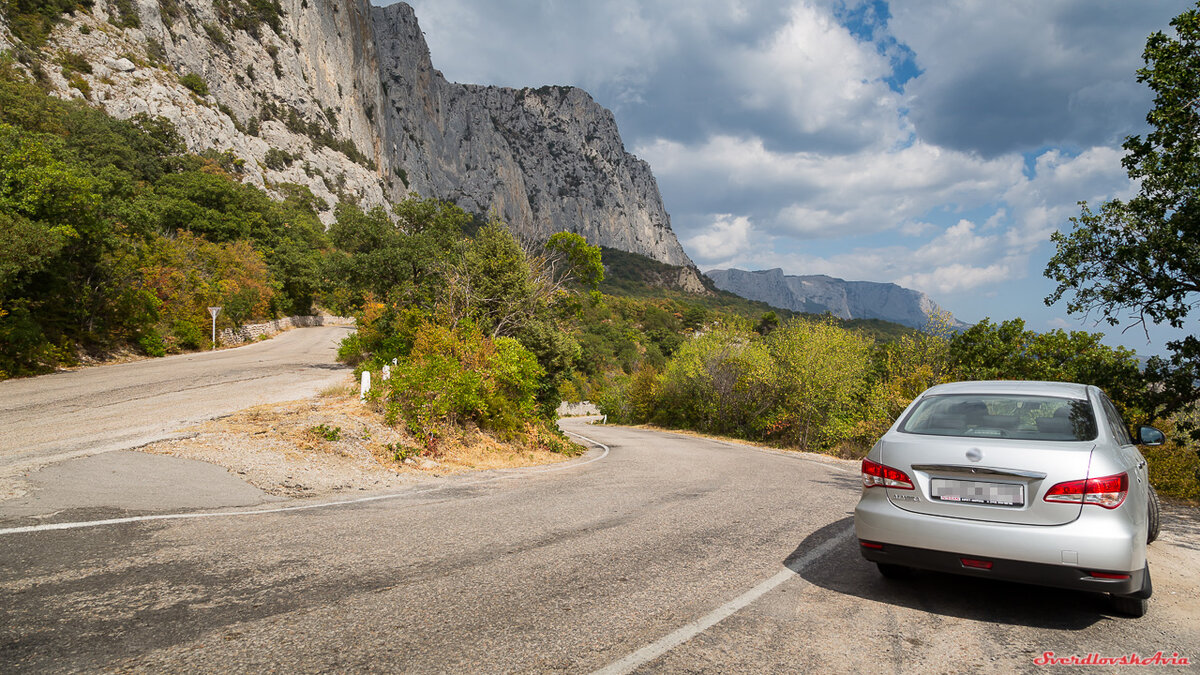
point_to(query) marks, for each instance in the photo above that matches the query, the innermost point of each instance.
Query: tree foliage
(94, 211)
(1007, 351)
(32, 20)
(1138, 259)
(407, 257)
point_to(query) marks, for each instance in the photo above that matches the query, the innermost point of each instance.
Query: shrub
(151, 343)
(822, 373)
(455, 374)
(81, 84)
(278, 159)
(195, 83)
(126, 14)
(1175, 466)
(187, 334)
(326, 432)
(217, 35)
(401, 452)
(155, 52)
(74, 63)
(720, 382)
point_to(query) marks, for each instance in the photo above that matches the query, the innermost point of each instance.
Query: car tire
(890, 571)
(1152, 521)
(1135, 605)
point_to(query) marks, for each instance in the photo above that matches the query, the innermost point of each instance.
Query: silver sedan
(1036, 482)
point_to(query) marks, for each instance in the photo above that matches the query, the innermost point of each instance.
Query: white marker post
(214, 311)
(366, 386)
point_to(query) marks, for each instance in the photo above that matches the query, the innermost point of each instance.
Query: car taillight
(1109, 491)
(875, 474)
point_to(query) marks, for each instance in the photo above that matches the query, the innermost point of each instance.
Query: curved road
(663, 553)
(73, 414)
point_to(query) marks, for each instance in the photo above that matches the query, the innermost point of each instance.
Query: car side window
(1119, 430)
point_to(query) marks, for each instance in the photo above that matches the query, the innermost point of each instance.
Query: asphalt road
(664, 553)
(73, 414)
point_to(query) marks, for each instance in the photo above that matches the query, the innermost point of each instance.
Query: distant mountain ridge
(818, 294)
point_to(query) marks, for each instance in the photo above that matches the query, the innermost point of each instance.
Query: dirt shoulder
(333, 443)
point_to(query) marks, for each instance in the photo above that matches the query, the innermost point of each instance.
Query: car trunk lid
(988, 479)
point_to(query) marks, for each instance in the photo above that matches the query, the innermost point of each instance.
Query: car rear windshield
(1039, 418)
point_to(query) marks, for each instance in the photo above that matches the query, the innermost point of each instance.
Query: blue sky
(931, 143)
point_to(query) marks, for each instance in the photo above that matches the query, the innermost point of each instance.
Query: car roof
(1026, 387)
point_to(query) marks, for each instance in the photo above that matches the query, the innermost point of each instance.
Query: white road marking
(682, 635)
(303, 507)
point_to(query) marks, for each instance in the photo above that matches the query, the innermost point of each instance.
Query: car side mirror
(1150, 436)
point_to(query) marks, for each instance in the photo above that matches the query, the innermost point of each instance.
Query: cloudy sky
(931, 143)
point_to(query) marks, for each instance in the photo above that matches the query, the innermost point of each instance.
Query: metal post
(214, 311)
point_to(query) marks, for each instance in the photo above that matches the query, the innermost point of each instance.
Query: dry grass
(285, 448)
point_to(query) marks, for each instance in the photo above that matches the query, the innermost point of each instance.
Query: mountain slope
(818, 294)
(342, 97)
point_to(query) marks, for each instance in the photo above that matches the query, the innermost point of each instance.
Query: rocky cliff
(818, 294)
(342, 97)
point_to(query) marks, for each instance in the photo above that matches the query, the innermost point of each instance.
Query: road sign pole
(214, 311)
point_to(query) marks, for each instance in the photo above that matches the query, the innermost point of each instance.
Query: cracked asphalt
(56, 417)
(571, 570)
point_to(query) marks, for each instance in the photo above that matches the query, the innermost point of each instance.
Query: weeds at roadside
(330, 434)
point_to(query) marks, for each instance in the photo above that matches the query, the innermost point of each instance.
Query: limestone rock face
(265, 91)
(543, 160)
(343, 99)
(817, 294)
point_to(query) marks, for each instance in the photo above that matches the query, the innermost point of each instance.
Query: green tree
(529, 297)
(1137, 259)
(32, 20)
(1007, 351)
(822, 374)
(721, 382)
(67, 265)
(767, 323)
(405, 253)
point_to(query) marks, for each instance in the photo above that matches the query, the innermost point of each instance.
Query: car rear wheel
(891, 571)
(1153, 519)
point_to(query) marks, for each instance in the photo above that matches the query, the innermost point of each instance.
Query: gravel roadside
(331, 444)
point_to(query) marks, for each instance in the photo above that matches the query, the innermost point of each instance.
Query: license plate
(977, 492)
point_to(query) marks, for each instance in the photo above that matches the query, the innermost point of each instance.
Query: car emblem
(974, 454)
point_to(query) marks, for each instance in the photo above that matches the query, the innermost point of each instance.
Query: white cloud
(726, 238)
(956, 278)
(827, 80)
(916, 228)
(1045, 202)
(778, 142)
(817, 196)
(1015, 75)
(804, 198)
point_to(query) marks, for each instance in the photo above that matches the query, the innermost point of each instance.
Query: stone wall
(566, 409)
(252, 332)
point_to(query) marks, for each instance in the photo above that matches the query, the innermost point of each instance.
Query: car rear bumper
(1058, 576)
(1051, 555)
